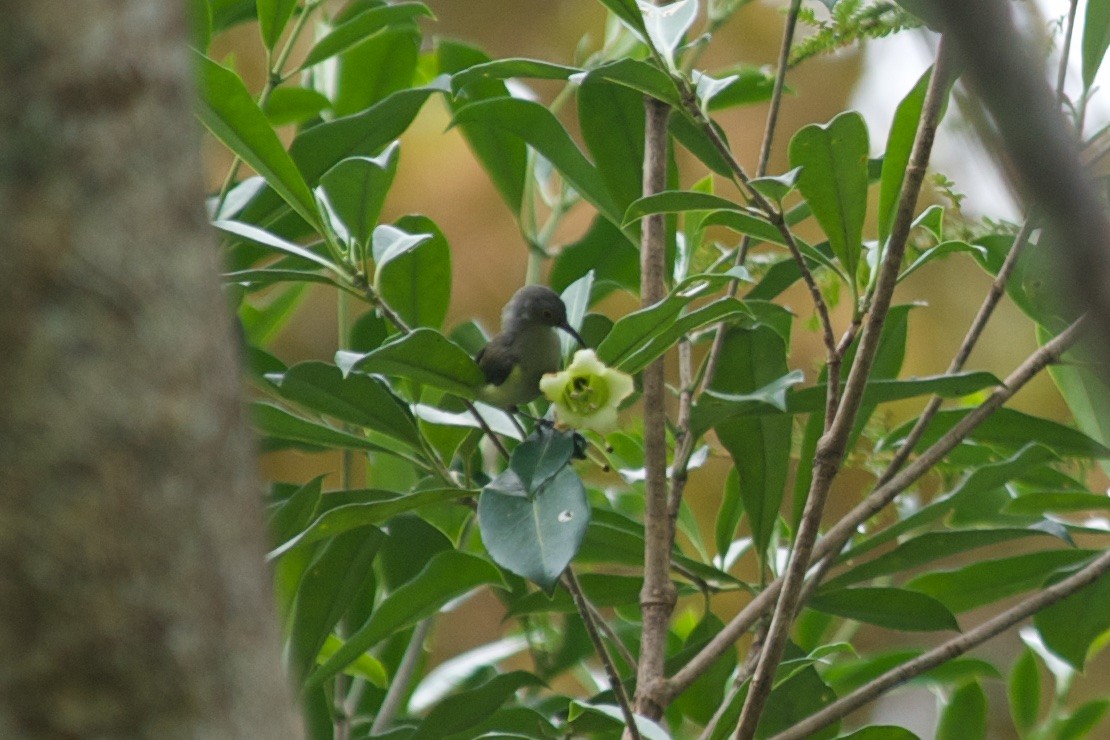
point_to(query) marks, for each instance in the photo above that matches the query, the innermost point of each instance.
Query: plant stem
(658, 595)
(948, 650)
(831, 446)
(399, 686)
(761, 169)
(978, 324)
(833, 542)
(273, 79)
(587, 613)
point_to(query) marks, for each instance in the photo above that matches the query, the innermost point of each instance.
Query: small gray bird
(526, 349)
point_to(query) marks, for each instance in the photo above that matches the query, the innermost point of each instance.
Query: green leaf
(692, 136)
(327, 590)
(833, 180)
(604, 250)
(941, 250)
(628, 12)
(611, 119)
(743, 86)
(881, 732)
(666, 26)
(899, 143)
(285, 427)
(230, 113)
(986, 581)
(447, 575)
(354, 190)
(576, 297)
(541, 130)
(534, 533)
(1035, 504)
(895, 608)
(379, 507)
(777, 187)
(294, 105)
(261, 323)
(978, 482)
(503, 155)
(367, 666)
(640, 76)
(318, 149)
(1096, 38)
(602, 590)
(425, 356)
(723, 309)
(965, 715)
(362, 27)
(272, 17)
(356, 399)
(634, 332)
(377, 67)
(722, 212)
(200, 24)
(778, 396)
(729, 513)
(1085, 390)
(1083, 720)
(503, 69)
(266, 239)
(1024, 691)
(1071, 625)
(1007, 430)
(759, 446)
(464, 710)
(927, 548)
(417, 283)
(541, 456)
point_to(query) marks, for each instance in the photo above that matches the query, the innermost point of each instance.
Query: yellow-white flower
(587, 393)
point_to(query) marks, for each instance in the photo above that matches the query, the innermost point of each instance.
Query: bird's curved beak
(565, 326)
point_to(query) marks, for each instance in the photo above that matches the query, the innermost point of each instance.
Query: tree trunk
(133, 597)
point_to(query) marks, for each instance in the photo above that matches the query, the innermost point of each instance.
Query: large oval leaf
(833, 180)
(537, 535)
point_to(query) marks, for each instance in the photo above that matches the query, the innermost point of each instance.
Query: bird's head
(537, 305)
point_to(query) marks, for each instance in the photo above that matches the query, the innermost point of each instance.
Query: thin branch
(833, 542)
(831, 447)
(399, 686)
(658, 595)
(949, 650)
(611, 634)
(584, 611)
(974, 332)
(737, 686)
(841, 532)
(780, 84)
(1062, 73)
(765, 147)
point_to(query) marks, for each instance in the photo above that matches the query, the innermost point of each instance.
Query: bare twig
(658, 595)
(399, 686)
(997, 290)
(831, 447)
(833, 542)
(584, 611)
(714, 356)
(949, 650)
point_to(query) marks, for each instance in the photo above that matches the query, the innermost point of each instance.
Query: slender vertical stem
(657, 598)
(831, 447)
(1062, 73)
(587, 613)
(399, 686)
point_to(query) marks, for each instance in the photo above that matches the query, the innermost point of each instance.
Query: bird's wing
(496, 361)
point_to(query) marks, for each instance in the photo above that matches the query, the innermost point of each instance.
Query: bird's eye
(547, 314)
